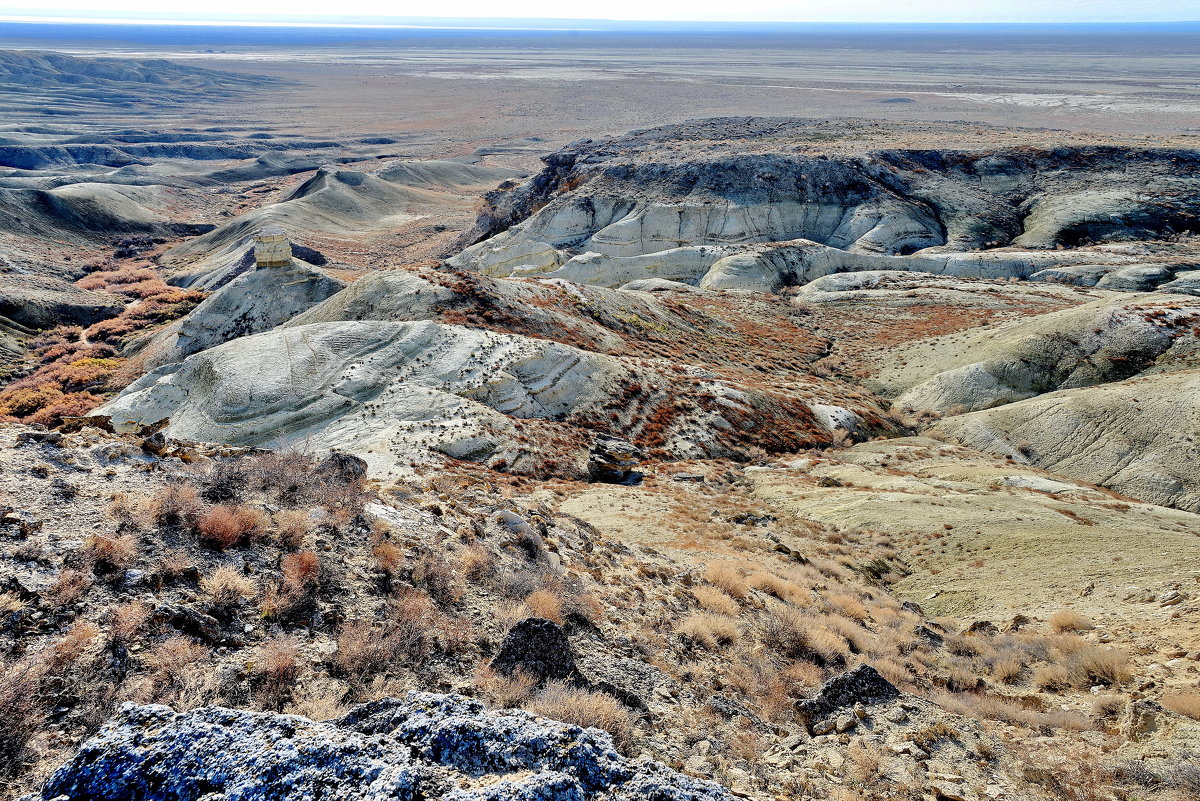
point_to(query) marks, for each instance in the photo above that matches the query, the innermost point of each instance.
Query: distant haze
(379, 12)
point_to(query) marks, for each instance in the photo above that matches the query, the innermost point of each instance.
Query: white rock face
(254, 302)
(1101, 341)
(373, 388)
(1134, 436)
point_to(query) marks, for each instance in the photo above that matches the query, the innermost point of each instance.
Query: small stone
(845, 723)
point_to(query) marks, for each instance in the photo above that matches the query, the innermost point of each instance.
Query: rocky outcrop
(861, 686)
(422, 746)
(537, 648)
(614, 461)
(657, 204)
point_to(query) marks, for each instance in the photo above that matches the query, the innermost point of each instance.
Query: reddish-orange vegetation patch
(71, 370)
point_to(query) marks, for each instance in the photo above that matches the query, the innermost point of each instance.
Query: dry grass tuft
(586, 708)
(728, 577)
(503, 691)
(226, 589)
(1186, 704)
(715, 601)
(1067, 620)
(710, 630)
(545, 603)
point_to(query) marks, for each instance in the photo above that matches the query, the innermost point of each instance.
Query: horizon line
(492, 23)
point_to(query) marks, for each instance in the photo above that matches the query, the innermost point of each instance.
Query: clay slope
(338, 204)
(1137, 436)
(1098, 342)
(661, 204)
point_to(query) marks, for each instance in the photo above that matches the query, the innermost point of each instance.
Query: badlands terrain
(424, 448)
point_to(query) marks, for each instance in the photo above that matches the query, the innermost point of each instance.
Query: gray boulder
(422, 746)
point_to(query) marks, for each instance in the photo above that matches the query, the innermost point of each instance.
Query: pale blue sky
(700, 10)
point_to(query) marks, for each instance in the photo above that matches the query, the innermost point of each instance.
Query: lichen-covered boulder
(422, 746)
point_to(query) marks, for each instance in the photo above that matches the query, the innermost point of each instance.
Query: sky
(697, 10)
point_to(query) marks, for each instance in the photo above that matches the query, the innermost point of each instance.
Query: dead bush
(301, 572)
(127, 622)
(226, 589)
(478, 564)
(22, 713)
(175, 505)
(1097, 665)
(68, 588)
(363, 649)
(434, 574)
(273, 671)
(586, 708)
(110, 554)
(389, 557)
(292, 527)
(223, 527)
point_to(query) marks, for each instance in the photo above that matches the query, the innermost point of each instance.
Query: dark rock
(422, 746)
(982, 628)
(1017, 623)
(343, 467)
(862, 685)
(22, 522)
(539, 648)
(694, 477)
(189, 621)
(612, 461)
(729, 708)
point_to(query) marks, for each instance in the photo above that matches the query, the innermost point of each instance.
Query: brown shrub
(223, 527)
(389, 557)
(1067, 620)
(545, 603)
(273, 670)
(301, 572)
(1186, 704)
(586, 708)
